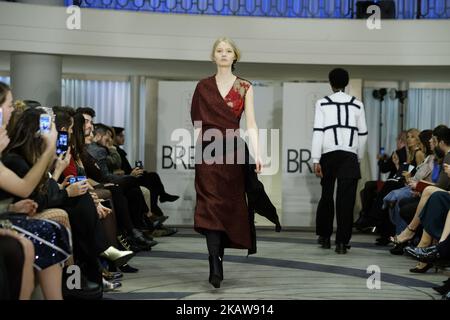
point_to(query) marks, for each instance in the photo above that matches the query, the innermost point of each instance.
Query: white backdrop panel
(301, 189)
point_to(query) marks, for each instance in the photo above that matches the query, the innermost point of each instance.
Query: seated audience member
(150, 180)
(385, 165)
(441, 134)
(89, 241)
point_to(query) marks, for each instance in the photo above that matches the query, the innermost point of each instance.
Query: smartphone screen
(72, 180)
(62, 142)
(382, 152)
(138, 164)
(44, 123)
(1, 117)
(81, 178)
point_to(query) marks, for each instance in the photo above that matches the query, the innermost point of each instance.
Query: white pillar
(37, 77)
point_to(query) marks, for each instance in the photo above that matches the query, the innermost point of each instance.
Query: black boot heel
(215, 271)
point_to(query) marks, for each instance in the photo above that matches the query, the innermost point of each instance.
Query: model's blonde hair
(237, 52)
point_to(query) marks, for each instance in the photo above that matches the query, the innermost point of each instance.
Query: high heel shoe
(427, 267)
(168, 197)
(398, 249)
(395, 239)
(215, 271)
(442, 289)
(119, 258)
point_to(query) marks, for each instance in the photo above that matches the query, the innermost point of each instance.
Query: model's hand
(318, 170)
(259, 165)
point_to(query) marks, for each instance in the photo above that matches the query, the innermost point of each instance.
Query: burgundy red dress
(221, 198)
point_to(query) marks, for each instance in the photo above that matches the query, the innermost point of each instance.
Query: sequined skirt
(52, 241)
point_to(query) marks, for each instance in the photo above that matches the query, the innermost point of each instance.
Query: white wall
(106, 33)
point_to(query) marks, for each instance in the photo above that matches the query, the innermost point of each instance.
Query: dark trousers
(345, 202)
(152, 182)
(88, 236)
(136, 202)
(342, 167)
(121, 208)
(368, 195)
(379, 216)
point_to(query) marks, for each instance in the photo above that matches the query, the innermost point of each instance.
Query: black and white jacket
(339, 124)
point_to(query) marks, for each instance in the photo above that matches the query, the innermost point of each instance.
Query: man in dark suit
(150, 180)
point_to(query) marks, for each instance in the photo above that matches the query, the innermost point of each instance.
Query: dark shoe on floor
(126, 244)
(128, 269)
(88, 290)
(111, 276)
(168, 198)
(398, 249)
(442, 289)
(161, 219)
(427, 267)
(324, 242)
(110, 285)
(164, 232)
(446, 296)
(428, 254)
(138, 237)
(341, 248)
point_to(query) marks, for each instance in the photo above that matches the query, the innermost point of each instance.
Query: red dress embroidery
(235, 99)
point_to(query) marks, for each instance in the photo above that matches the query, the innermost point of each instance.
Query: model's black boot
(215, 271)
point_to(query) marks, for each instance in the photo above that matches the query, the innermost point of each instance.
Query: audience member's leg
(18, 253)
(137, 206)
(409, 232)
(368, 195)
(86, 232)
(50, 280)
(120, 203)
